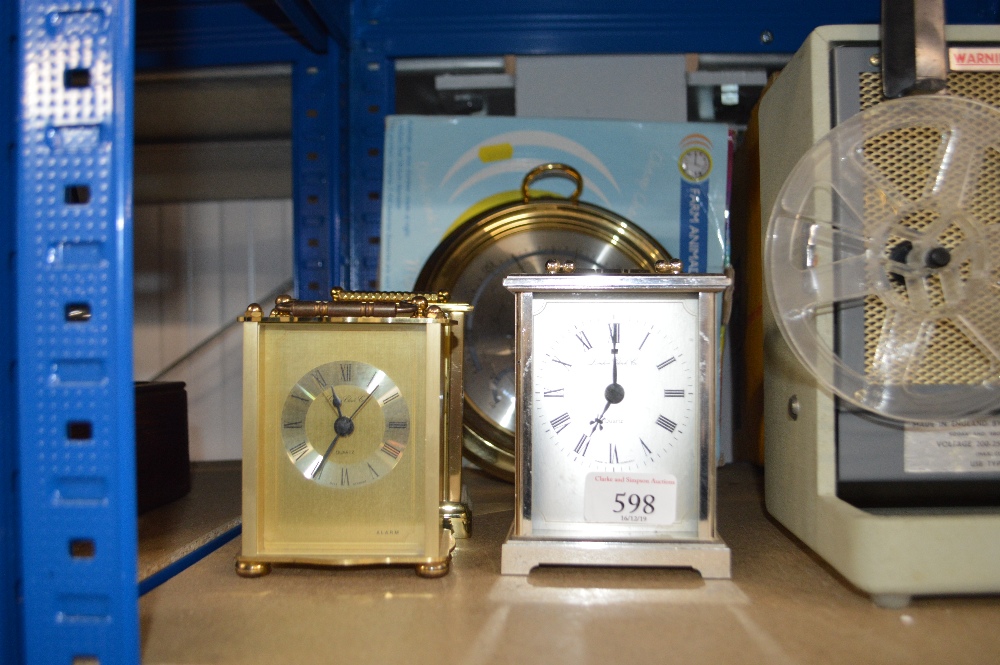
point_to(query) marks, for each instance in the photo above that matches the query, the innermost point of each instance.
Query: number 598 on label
(624, 498)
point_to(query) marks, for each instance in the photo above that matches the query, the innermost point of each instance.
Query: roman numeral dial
(345, 424)
(614, 389)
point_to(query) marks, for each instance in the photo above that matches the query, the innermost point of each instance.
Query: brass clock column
(352, 432)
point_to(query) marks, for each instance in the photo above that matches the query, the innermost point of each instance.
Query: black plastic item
(162, 459)
(929, 494)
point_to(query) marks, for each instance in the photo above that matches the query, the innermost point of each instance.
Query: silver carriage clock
(615, 444)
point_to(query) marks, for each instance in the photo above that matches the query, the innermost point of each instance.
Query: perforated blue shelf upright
(68, 591)
(72, 370)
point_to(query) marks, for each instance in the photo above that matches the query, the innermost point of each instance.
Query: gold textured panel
(909, 159)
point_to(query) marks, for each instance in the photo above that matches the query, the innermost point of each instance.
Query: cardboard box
(672, 179)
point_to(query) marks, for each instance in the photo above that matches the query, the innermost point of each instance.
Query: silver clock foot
(712, 559)
(252, 568)
(431, 570)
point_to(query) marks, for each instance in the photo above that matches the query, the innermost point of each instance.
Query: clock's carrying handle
(339, 294)
(309, 309)
(549, 170)
(914, 51)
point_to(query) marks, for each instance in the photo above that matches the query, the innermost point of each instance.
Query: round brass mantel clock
(519, 237)
(615, 449)
(351, 433)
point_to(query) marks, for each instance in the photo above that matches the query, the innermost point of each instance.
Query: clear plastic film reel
(882, 259)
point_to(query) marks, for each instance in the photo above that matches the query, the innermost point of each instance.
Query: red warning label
(974, 58)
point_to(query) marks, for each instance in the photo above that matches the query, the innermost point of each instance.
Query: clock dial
(614, 392)
(345, 424)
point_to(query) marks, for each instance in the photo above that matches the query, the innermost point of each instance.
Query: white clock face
(615, 398)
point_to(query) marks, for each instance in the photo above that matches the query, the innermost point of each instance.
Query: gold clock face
(368, 487)
(345, 424)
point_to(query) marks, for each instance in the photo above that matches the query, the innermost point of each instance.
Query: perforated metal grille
(909, 159)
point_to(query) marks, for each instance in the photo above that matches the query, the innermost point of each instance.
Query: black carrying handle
(914, 52)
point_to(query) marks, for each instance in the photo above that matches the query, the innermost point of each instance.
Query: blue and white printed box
(672, 179)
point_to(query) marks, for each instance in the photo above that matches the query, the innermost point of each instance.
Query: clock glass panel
(345, 425)
(615, 404)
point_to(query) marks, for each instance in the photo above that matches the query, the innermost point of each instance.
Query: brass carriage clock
(352, 412)
(615, 446)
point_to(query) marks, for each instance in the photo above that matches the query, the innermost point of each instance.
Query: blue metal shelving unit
(189, 34)
(67, 501)
(73, 370)
(10, 627)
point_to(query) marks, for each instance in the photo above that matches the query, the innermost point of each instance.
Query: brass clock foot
(457, 517)
(252, 568)
(431, 570)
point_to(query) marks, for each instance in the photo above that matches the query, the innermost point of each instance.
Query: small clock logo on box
(695, 164)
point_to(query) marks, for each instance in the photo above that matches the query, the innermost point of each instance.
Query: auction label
(630, 498)
(963, 447)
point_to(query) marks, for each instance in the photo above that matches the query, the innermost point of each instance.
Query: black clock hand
(584, 443)
(599, 420)
(335, 401)
(614, 393)
(360, 406)
(613, 327)
(342, 426)
(326, 455)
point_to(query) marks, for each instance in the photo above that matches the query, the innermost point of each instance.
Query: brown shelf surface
(211, 509)
(782, 606)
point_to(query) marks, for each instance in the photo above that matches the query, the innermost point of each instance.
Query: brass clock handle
(549, 170)
(337, 293)
(287, 306)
